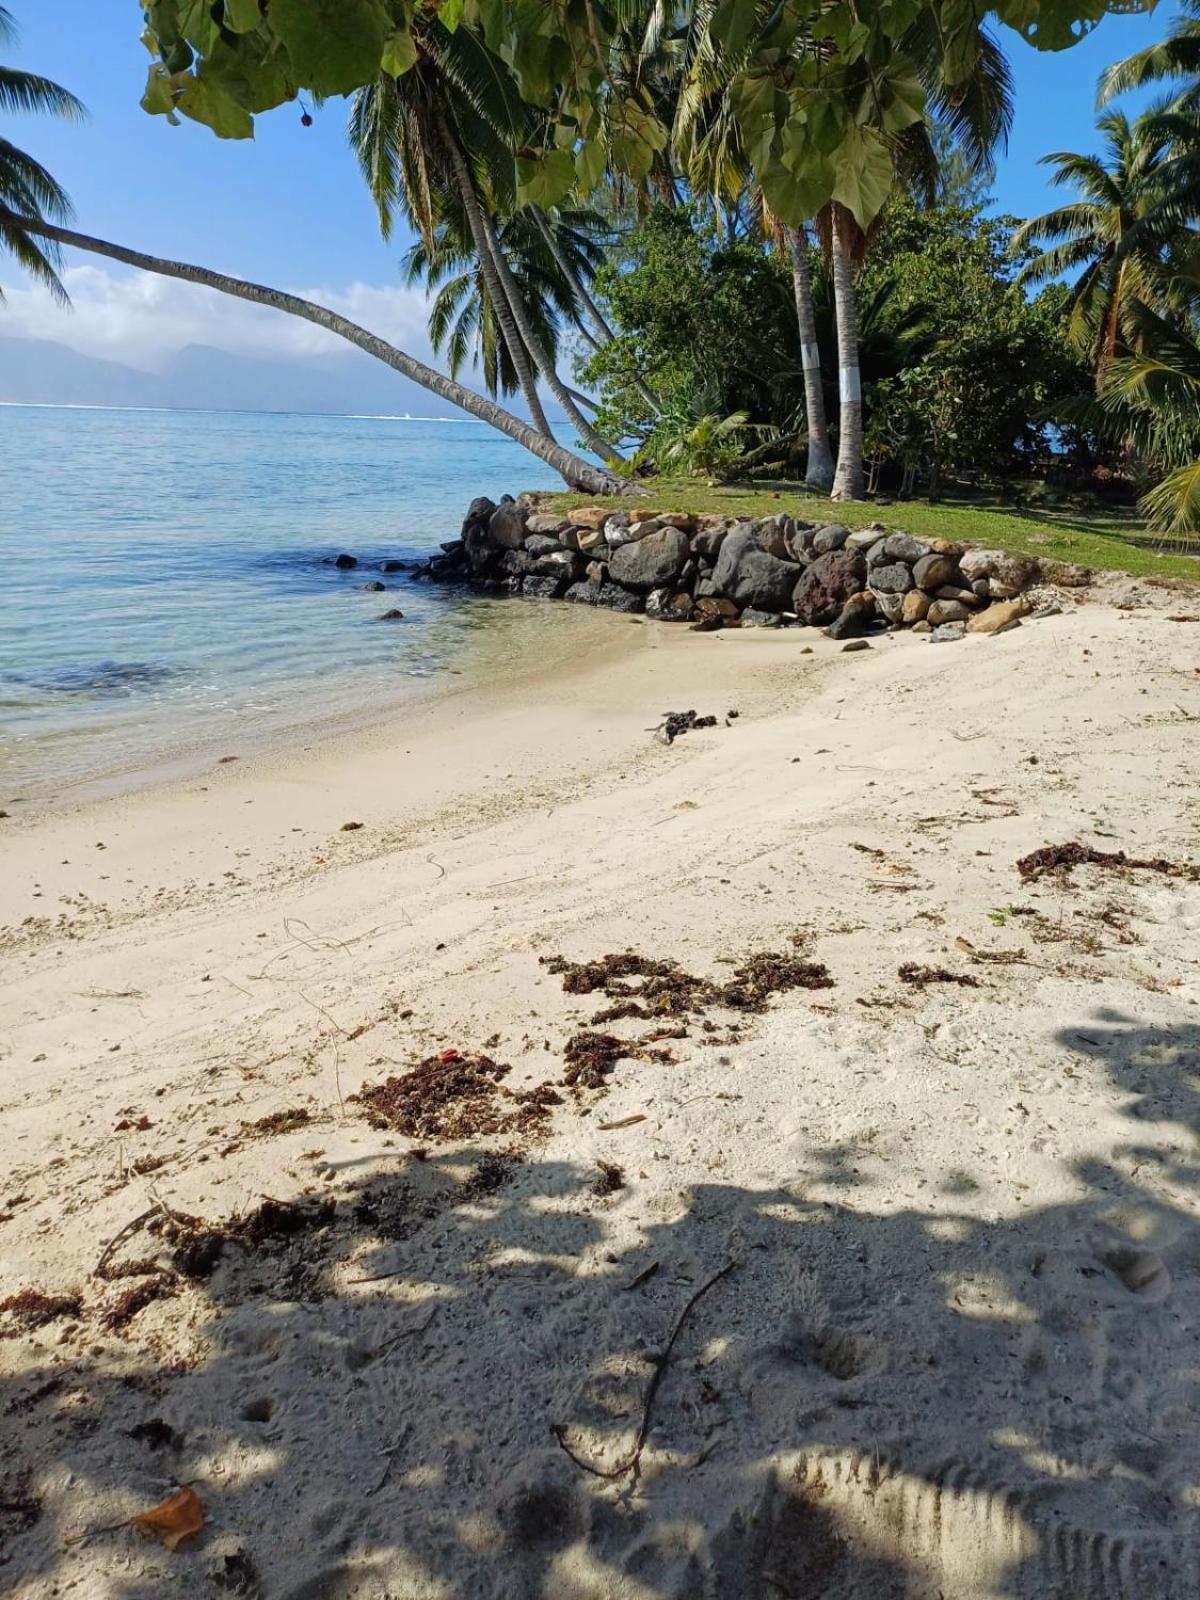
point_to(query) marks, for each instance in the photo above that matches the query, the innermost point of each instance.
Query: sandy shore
(956, 1351)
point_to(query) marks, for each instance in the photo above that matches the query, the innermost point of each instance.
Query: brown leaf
(178, 1517)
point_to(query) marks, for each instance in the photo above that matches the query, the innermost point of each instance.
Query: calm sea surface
(166, 578)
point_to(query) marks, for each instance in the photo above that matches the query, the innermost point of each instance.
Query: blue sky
(289, 207)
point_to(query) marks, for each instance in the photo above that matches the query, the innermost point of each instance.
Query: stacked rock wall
(714, 572)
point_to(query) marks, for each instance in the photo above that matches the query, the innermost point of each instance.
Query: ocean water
(166, 578)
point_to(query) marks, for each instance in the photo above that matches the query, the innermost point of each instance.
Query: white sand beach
(955, 1352)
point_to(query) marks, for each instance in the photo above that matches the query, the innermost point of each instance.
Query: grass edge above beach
(1110, 540)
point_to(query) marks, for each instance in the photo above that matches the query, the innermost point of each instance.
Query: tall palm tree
(25, 185)
(1109, 235)
(550, 257)
(452, 123)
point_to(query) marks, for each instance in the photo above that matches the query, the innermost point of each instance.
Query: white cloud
(142, 320)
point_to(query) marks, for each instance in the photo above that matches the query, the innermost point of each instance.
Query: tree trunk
(819, 471)
(848, 479)
(545, 366)
(509, 331)
(578, 287)
(576, 472)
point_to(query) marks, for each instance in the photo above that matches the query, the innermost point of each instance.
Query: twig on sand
(390, 1452)
(118, 1239)
(632, 1462)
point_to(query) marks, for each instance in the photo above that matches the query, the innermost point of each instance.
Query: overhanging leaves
(335, 45)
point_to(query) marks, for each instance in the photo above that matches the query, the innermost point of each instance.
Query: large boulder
(506, 526)
(1000, 617)
(903, 547)
(894, 578)
(746, 574)
(774, 536)
(542, 522)
(652, 562)
(831, 537)
(915, 607)
(541, 544)
(854, 618)
(946, 611)
(590, 516)
(824, 587)
(932, 571)
(1007, 573)
(617, 599)
(478, 514)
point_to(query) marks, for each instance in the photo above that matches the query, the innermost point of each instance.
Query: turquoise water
(166, 577)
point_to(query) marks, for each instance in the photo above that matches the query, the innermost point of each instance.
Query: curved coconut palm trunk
(578, 287)
(541, 360)
(511, 311)
(848, 478)
(819, 470)
(579, 474)
(509, 331)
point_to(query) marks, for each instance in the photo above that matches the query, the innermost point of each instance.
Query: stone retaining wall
(717, 572)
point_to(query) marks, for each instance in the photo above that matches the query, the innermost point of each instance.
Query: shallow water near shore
(169, 579)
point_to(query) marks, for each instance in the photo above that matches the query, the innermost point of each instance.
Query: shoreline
(960, 1209)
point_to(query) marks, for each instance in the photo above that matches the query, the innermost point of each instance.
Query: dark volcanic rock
(392, 566)
(854, 618)
(652, 562)
(618, 599)
(831, 537)
(373, 588)
(478, 514)
(760, 619)
(826, 585)
(345, 563)
(391, 616)
(582, 594)
(750, 577)
(895, 578)
(507, 527)
(544, 588)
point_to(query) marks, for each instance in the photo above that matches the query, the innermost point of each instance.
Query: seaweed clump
(1062, 857)
(30, 1308)
(456, 1096)
(666, 990)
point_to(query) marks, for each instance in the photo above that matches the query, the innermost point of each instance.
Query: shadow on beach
(899, 1405)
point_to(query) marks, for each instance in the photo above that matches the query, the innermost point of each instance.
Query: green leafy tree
(25, 185)
(993, 364)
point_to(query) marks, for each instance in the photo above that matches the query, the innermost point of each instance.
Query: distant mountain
(42, 372)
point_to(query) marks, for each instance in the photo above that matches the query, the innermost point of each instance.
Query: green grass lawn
(1111, 540)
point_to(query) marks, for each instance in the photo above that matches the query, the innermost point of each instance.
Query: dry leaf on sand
(177, 1518)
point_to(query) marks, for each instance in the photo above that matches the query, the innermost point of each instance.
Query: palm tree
(452, 124)
(25, 185)
(1153, 399)
(577, 472)
(1176, 56)
(1110, 232)
(549, 256)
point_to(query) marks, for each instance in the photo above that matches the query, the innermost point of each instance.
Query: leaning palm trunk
(848, 479)
(509, 331)
(541, 360)
(579, 474)
(819, 471)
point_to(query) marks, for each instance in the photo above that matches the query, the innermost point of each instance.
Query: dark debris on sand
(455, 1096)
(664, 989)
(31, 1308)
(1062, 857)
(919, 976)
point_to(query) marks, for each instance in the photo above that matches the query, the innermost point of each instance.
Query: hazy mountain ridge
(200, 377)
